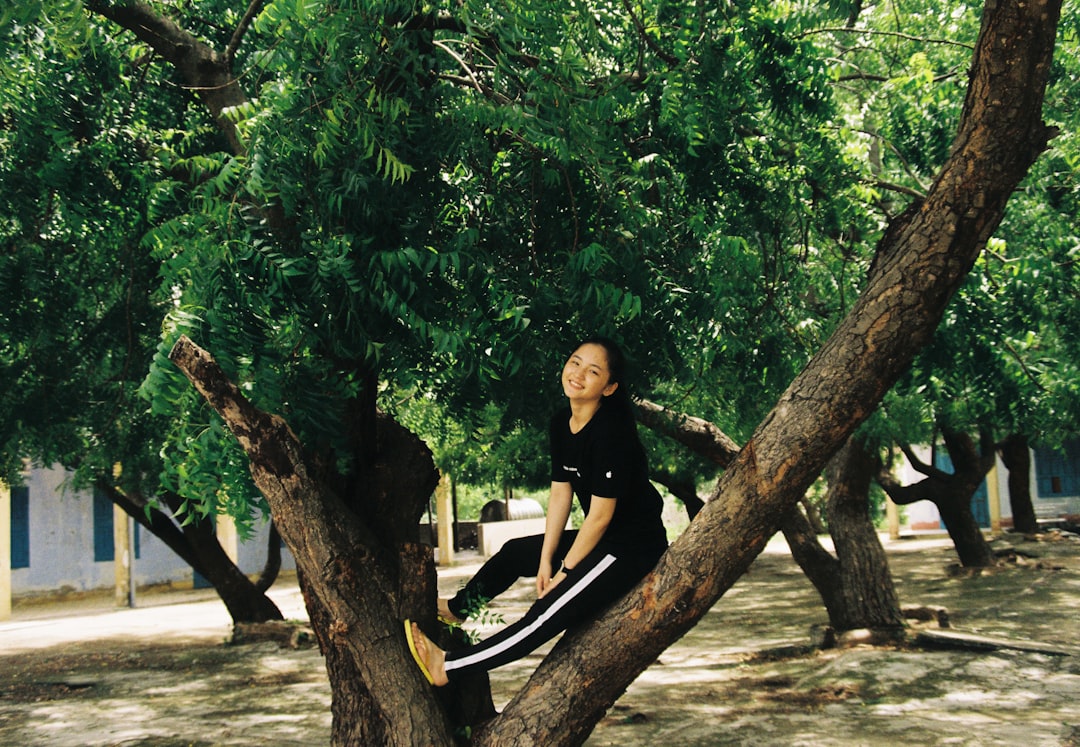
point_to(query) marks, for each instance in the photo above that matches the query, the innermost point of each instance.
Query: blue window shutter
(1057, 471)
(103, 528)
(20, 527)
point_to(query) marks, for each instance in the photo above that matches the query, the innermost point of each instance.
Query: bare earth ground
(83, 673)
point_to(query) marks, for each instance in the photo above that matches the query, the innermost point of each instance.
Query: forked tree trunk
(952, 493)
(358, 582)
(361, 570)
(1017, 459)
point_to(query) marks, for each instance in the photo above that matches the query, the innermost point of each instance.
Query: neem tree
(358, 194)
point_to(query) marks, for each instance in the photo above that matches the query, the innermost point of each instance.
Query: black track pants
(593, 584)
(518, 558)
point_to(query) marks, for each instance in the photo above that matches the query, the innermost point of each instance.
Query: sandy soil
(83, 673)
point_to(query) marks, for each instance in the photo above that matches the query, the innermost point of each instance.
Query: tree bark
(272, 567)
(358, 583)
(197, 544)
(856, 589)
(1017, 459)
(820, 567)
(866, 587)
(206, 73)
(921, 260)
(856, 586)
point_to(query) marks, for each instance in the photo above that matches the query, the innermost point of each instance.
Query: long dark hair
(620, 399)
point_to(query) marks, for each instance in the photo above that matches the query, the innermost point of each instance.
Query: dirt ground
(82, 673)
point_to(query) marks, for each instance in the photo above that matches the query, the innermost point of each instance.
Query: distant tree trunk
(196, 543)
(870, 599)
(272, 567)
(952, 493)
(813, 515)
(856, 586)
(1017, 458)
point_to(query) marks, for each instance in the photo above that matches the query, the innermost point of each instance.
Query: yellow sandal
(416, 654)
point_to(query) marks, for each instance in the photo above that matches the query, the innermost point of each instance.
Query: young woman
(595, 454)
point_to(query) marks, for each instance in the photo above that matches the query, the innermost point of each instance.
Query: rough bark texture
(1017, 459)
(197, 544)
(865, 584)
(358, 586)
(855, 586)
(697, 434)
(921, 260)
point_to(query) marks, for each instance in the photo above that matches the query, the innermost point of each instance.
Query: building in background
(63, 541)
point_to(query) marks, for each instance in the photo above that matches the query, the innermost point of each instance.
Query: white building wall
(62, 545)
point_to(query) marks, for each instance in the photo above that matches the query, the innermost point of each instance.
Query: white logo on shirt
(608, 475)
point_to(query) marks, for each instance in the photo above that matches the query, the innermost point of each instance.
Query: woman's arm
(592, 529)
(559, 504)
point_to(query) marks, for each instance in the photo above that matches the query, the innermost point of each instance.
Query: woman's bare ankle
(446, 615)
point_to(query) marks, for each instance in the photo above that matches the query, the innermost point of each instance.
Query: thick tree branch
(697, 434)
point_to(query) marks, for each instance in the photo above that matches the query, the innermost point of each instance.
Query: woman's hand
(552, 582)
(543, 577)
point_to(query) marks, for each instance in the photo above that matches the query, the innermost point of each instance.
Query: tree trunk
(952, 493)
(272, 567)
(857, 590)
(922, 259)
(197, 544)
(820, 567)
(359, 576)
(856, 586)
(971, 546)
(1017, 459)
(866, 585)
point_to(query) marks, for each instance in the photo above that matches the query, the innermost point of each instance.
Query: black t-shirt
(606, 459)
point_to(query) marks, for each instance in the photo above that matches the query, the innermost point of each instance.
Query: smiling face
(586, 377)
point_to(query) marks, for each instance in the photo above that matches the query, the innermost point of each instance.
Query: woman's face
(586, 377)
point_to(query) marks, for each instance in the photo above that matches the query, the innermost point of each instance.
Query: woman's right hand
(543, 577)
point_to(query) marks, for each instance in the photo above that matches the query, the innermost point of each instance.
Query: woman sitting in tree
(596, 454)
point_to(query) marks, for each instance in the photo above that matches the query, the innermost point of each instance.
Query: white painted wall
(62, 545)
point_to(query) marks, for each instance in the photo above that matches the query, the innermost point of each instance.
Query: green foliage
(432, 202)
